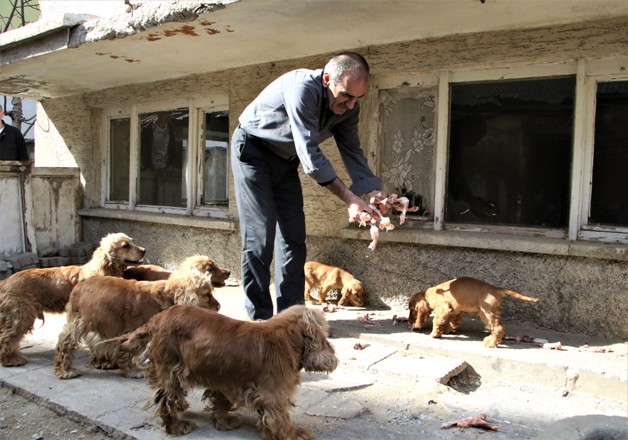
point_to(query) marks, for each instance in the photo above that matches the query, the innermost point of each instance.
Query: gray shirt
(292, 116)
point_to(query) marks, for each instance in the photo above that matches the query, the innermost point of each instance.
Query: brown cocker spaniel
(202, 263)
(105, 307)
(27, 294)
(238, 363)
(449, 300)
(327, 277)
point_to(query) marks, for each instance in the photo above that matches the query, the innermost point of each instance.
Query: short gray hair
(345, 62)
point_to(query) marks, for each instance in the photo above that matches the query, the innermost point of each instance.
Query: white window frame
(196, 107)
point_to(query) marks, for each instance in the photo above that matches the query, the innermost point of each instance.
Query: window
(609, 204)
(171, 159)
(509, 160)
(120, 146)
(537, 151)
(163, 158)
(409, 156)
(216, 144)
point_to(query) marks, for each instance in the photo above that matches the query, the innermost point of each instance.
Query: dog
(239, 363)
(105, 307)
(26, 295)
(202, 263)
(328, 277)
(449, 300)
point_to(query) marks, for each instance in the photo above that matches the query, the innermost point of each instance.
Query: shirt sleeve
(303, 108)
(348, 141)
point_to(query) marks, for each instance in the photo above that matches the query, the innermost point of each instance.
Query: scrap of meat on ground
(478, 421)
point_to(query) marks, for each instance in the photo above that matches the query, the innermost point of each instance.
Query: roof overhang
(78, 54)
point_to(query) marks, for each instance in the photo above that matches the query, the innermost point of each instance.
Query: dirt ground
(23, 419)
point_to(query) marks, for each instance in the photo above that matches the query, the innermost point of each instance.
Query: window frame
(196, 108)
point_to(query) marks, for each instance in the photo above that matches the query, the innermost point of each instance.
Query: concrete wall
(578, 294)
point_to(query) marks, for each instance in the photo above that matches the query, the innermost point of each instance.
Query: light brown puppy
(26, 295)
(326, 278)
(105, 307)
(202, 263)
(239, 363)
(449, 300)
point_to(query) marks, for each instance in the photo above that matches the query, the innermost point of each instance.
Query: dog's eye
(125, 244)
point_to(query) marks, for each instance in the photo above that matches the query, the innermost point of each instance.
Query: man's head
(346, 77)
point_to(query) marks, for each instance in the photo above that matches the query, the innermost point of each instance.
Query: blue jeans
(270, 206)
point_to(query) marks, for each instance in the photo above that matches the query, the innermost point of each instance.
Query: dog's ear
(318, 354)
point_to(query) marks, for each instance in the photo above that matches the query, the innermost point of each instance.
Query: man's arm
(355, 204)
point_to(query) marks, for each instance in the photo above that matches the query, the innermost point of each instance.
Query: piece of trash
(526, 338)
(431, 402)
(587, 347)
(231, 283)
(478, 421)
(565, 393)
(552, 345)
(330, 309)
(396, 319)
(366, 319)
(360, 346)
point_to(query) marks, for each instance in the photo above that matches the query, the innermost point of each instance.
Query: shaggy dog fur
(449, 300)
(105, 307)
(239, 363)
(328, 277)
(26, 295)
(202, 263)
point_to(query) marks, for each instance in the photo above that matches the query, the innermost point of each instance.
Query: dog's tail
(518, 295)
(133, 344)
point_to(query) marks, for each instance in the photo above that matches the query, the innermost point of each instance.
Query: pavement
(391, 383)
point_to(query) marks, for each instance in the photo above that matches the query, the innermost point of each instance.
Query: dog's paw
(13, 361)
(226, 423)
(299, 433)
(180, 427)
(67, 374)
(490, 342)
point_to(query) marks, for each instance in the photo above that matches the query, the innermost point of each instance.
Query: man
(12, 144)
(279, 130)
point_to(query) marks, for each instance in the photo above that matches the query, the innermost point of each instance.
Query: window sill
(494, 241)
(166, 219)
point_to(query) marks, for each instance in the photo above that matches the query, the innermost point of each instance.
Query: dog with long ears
(202, 263)
(327, 277)
(449, 300)
(238, 363)
(26, 295)
(105, 307)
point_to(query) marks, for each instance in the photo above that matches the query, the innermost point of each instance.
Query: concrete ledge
(166, 219)
(496, 241)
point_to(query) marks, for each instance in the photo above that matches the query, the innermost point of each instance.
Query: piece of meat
(380, 222)
(478, 421)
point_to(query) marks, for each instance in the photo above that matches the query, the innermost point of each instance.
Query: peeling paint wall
(577, 294)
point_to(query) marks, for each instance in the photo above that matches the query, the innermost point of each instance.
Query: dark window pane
(119, 148)
(510, 152)
(163, 158)
(609, 202)
(215, 171)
